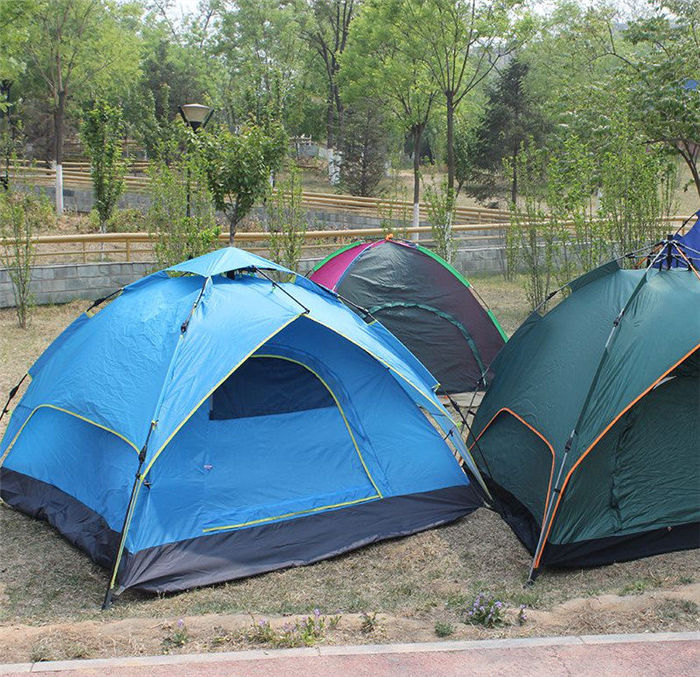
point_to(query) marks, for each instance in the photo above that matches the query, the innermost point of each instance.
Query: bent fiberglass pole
(558, 488)
(139, 477)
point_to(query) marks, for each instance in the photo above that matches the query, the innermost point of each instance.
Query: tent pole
(617, 258)
(99, 301)
(144, 450)
(11, 394)
(458, 409)
(532, 575)
(283, 290)
(687, 260)
(109, 593)
(557, 490)
(363, 310)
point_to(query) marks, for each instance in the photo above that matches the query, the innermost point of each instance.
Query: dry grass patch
(402, 590)
(506, 298)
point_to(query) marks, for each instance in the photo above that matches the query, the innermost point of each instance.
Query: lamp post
(196, 115)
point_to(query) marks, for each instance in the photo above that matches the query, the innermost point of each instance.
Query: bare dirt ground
(411, 589)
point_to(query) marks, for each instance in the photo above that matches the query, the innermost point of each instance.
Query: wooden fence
(78, 174)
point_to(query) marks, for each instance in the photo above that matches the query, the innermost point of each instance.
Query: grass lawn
(411, 589)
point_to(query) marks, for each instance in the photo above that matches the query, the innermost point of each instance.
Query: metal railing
(128, 247)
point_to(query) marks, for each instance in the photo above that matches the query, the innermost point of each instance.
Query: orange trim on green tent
(687, 260)
(534, 430)
(598, 439)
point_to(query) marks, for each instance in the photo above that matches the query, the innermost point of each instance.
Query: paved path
(676, 654)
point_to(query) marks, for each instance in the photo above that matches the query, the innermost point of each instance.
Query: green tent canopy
(589, 435)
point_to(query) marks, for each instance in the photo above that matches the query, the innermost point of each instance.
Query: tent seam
(338, 252)
(413, 385)
(340, 409)
(199, 404)
(291, 514)
(446, 316)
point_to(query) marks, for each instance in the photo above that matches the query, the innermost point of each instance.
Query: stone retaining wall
(61, 283)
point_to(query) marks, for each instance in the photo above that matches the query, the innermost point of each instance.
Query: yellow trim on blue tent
(209, 393)
(71, 413)
(388, 366)
(291, 514)
(376, 357)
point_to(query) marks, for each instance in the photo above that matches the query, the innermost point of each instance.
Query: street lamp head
(195, 115)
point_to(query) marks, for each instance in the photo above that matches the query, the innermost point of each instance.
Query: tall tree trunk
(59, 114)
(689, 154)
(514, 179)
(339, 110)
(233, 223)
(449, 102)
(330, 114)
(417, 137)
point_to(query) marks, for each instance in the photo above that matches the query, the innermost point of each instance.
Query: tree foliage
(376, 65)
(508, 123)
(364, 150)
(238, 166)
(287, 220)
(176, 190)
(327, 33)
(76, 49)
(556, 232)
(460, 42)
(22, 215)
(664, 81)
(102, 133)
(437, 72)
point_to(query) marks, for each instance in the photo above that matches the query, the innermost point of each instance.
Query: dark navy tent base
(81, 526)
(228, 555)
(599, 551)
(594, 552)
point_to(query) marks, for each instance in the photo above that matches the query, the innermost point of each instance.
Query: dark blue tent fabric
(245, 467)
(688, 244)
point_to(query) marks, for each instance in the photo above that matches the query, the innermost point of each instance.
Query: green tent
(589, 435)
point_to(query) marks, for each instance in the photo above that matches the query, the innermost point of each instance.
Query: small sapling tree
(101, 132)
(21, 216)
(238, 166)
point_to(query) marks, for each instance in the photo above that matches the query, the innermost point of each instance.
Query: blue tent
(682, 251)
(267, 426)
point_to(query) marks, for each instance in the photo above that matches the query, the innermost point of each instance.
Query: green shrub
(443, 629)
(179, 236)
(21, 217)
